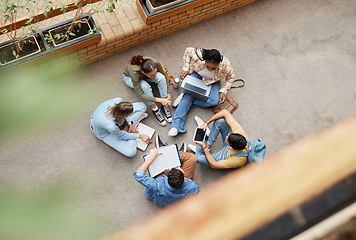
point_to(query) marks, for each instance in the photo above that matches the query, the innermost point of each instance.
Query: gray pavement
(298, 59)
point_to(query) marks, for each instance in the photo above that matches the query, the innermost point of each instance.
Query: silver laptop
(196, 88)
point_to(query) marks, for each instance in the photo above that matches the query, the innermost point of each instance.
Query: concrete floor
(298, 59)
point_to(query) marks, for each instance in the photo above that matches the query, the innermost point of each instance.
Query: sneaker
(192, 147)
(183, 148)
(176, 102)
(158, 142)
(201, 122)
(143, 117)
(172, 132)
(159, 118)
(167, 113)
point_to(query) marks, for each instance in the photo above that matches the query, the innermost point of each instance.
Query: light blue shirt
(159, 191)
(104, 125)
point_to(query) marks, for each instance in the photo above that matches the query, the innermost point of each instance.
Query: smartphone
(199, 135)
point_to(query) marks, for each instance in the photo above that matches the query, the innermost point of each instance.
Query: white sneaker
(176, 102)
(172, 132)
(143, 117)
(192, 147)
(201, 122)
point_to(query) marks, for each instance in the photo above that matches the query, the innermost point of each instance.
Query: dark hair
(147, 65)
(237, 141)
(175, 178)
(136, 60)
(212, 55)
(120, 111)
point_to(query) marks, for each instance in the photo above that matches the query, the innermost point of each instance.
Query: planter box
(49, 48)
(9, 54)
(76, 43)
(168, 11)
(152, 9)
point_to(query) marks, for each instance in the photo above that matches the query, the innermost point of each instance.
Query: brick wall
(125, 28)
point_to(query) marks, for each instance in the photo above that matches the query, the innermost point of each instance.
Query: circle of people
(115, 122)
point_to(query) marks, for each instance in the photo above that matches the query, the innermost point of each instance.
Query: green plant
(12, 10)
(83, 7)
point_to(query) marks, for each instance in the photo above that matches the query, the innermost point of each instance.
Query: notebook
(144, 129)
(168, 159)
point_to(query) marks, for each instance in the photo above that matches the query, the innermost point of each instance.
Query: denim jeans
(219, 126)
(188, 102)
(160, 81)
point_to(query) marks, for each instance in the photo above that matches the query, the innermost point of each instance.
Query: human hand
(169, 96)
(204, 126)
(132, 129)
(222, 97)
(183, 74)
(166, 102)
(200, 144)
(154, 152)
(145, 138)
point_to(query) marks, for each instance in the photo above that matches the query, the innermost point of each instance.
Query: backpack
(169, 76)
(256, 151)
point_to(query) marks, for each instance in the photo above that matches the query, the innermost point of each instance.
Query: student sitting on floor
(234, 139)
(114, 121)
(178, 183)
(209, 66)
(144, 70)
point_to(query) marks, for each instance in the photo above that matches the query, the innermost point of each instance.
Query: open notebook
(168, 159)
(144, 129)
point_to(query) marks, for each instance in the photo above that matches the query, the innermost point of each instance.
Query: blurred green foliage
(32, 99)
(56, 211)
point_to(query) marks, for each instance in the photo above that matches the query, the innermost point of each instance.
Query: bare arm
(214, 164)
(222, 114)
(153, 154)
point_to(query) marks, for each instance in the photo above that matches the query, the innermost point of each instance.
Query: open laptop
(196, 88)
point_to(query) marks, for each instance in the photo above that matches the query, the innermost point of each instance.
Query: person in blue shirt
(166, 189)
(114, 122)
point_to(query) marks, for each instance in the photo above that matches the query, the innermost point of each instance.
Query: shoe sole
(176, 102)
(156, 141)
(162, 124)
(192, 148)
(172, 135)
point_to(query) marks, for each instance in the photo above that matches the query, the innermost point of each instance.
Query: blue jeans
(188, 102)
(160, 81)
(219, 126)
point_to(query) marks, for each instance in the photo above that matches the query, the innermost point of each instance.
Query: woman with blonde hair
(114, 122)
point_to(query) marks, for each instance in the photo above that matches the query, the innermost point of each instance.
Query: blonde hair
(120, 111)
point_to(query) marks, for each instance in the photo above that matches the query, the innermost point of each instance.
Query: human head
(120, 111)
(212, 58)
(236, 141)
(148, 66)
(175, 178)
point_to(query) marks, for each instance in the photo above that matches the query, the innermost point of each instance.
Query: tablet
(199, 135)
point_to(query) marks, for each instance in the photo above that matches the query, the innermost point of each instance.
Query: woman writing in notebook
(114, 122)
(209, 66)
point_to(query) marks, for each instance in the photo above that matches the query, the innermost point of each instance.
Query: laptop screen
(194, 88)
